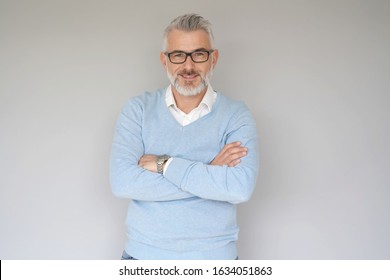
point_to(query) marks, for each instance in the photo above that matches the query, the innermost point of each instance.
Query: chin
(190, 91)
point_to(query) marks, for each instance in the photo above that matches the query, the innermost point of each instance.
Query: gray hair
(188, 22)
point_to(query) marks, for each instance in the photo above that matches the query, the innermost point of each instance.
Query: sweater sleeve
(223, 183)
(127, 179)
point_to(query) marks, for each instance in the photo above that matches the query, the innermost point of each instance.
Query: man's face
(189, 78)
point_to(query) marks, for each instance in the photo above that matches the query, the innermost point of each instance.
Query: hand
(230, 155)
(148, 162)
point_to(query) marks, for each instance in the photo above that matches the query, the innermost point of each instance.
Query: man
(185, 155)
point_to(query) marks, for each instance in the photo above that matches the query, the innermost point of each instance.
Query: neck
(187, 103)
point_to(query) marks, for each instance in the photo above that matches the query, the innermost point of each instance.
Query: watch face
(162, 159)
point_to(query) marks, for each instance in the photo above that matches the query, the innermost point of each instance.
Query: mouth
(189, 76)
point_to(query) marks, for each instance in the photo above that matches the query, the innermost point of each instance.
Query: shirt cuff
(166, 165)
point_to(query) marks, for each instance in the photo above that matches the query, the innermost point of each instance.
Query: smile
(189, 76)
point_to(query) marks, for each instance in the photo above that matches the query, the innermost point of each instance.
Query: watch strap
(160, 163)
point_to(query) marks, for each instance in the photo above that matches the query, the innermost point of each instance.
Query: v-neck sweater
(190, 211)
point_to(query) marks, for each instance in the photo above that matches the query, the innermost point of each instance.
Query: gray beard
(188, 90)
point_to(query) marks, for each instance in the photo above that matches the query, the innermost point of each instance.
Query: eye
(178, 55)
(199, 55)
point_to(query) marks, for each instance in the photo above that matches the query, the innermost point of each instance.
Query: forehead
(187, 41)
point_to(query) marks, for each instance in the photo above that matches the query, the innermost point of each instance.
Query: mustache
(188, 72)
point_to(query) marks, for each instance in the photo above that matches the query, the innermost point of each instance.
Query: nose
(188, 64)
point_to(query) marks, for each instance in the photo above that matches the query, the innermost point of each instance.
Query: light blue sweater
(189, 212)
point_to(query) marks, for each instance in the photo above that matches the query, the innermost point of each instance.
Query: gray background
(314, 73)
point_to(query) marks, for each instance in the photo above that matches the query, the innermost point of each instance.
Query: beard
(189, 90)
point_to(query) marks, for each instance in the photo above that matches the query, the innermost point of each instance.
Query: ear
(163, 59)
(215, 55)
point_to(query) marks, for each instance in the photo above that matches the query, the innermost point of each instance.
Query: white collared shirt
(203, 109)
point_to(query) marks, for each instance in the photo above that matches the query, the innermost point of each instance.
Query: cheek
(206, 69)
(172, 70)
(169, 69)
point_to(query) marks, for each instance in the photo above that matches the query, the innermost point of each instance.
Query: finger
(230, 145)
(227, 154)
(236, 150)
(235, 156)
(232, 155)
(234, 163)
(232, 149)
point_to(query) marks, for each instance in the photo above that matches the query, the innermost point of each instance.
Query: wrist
(166, 164)
(160, 163)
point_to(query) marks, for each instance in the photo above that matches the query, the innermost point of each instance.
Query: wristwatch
(160, 163)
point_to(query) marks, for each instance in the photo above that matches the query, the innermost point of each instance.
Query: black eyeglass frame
(189, 54)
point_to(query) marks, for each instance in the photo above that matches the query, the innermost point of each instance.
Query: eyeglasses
(179, 57)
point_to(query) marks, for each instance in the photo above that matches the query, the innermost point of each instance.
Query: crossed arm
(229, 177)
(230, 155)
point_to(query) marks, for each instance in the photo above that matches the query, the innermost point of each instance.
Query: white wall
(314, 73)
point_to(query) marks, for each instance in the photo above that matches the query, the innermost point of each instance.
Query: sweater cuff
(176, 173)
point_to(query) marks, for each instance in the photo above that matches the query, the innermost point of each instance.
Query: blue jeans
(126, 256)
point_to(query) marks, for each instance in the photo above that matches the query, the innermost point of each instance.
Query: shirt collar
(208, 99)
